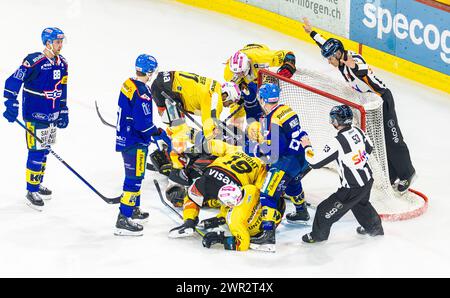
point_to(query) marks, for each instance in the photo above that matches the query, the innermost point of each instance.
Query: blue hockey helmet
(341, 115)
(51, 34)
(331, 46)
(269, 93)
(146, 63)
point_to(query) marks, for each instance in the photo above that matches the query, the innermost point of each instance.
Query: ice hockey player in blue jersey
(135, 131)
(44, 107)
(278, 137)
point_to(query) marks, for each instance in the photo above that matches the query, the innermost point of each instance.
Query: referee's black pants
(399, 160)
(338, 204)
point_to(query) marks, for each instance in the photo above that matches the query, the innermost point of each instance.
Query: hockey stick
(102, 119)
(149, 166)
(106, 199)
(234, 113)
(171, 208)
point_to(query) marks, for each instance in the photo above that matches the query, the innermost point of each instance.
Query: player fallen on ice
(44, 107)
(231, 167)
(135, 131)
(277, 138)
(350, 149)
(360, 76)
(243, 67)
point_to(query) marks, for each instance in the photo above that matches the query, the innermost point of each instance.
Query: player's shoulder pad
(282, 114)
(32, 59)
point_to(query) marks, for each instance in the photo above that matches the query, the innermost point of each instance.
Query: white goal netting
(312, 95)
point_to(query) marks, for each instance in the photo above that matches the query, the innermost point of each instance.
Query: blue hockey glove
(63, 119)
(12, 109)
(161, 139)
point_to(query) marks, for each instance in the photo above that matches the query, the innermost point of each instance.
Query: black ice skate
(185, 230)
(298, 217)
(139, 216)
(264, 242)
(376, 232)
(308, 238)
(45, 193)
(34, 200)
(403, 185)
(127, 227)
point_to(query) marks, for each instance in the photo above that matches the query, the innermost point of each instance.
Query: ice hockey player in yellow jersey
(233, 167)
(178, 92)
(243, 67)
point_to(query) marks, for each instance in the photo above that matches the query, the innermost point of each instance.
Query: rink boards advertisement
(330, 15)
(407, 29)
(406, 37)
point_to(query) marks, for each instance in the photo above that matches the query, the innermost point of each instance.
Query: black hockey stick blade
(101, 117)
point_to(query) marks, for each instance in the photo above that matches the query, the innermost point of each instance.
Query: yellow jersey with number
(246, 169)
(261, 57)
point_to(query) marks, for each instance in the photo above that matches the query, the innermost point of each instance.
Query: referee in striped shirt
(350, 149)
(360, 77)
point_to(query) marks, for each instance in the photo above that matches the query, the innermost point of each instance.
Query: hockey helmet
(239, 63)
(341, 115)
(230, 195)
(51, 34)
(269, 93)
(232, 91)
(146, 64)
(331, 46)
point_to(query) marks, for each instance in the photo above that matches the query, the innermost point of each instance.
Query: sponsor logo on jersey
(221, 177)
(19, 74)
(359, 157)
(39, 116)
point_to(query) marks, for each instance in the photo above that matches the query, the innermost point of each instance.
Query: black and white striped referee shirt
(350, 149)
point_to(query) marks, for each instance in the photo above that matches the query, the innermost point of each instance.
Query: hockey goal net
(312, 95)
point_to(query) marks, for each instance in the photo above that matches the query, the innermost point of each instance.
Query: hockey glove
(175, 194)
(288, 69)
(161, 139)
(212, 222)
(12, 109)
(63, 119)
(211, 238)
(161, 162)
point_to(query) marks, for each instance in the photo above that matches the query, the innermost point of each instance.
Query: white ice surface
(73, 236)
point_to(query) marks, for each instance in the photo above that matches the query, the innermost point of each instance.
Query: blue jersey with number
(44, 87)
(282, 133)
(134, 118)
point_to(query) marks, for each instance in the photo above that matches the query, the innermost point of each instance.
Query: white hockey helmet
(239, 63)
(232, 91)
(230, 195)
